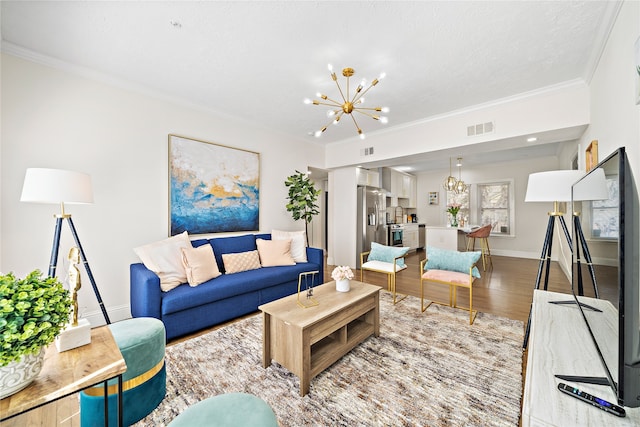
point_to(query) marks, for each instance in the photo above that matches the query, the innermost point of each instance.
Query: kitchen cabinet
(410, 237)
(368, 177)
(402, 186)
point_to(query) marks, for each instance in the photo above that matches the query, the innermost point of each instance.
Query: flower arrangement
(33, 311)
(342, 272)
(453, 209)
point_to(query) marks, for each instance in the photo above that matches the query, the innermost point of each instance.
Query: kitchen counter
(451, 238)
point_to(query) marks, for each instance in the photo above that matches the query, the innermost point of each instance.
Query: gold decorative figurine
(78, 332)
(74, 281)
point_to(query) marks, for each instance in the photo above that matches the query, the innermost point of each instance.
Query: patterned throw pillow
(387, 253)
(443, 259)
(243, 261)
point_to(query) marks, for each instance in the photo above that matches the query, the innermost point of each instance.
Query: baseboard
(115, 315)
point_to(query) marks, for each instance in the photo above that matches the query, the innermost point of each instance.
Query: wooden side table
(70, 372)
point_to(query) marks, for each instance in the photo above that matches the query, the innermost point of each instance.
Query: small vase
(343, 285)
(17, 375)
(454, 221)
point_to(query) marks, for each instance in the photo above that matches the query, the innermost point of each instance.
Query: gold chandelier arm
(361, 94)
(365, 113)
(340, 90)
(334, 104)
(369, 108)
(356, 123)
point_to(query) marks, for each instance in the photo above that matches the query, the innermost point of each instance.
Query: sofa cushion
(274, 252)
(444, 259)
(243, 261)
(199, 264)
(165, 259)
(228, 285)
(298, 243)
(232, 245)
(387, 253)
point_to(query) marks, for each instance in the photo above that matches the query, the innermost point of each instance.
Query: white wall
(615, 117)
(53, 118)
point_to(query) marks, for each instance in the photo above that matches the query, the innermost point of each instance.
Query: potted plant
(302, 198)
(33, 311)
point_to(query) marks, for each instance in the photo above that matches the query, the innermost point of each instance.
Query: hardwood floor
(505, 290)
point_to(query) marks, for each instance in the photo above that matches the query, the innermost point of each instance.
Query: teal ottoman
(141, 341)
(228, 410)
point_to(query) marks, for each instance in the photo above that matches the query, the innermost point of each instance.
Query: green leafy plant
(33, 311)
(302, 198)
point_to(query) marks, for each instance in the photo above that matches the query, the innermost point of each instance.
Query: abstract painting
(212, 188)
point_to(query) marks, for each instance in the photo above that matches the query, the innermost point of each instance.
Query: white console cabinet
(559, 343)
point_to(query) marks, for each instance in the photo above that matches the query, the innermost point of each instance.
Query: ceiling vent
(480, 129)
(366, 151)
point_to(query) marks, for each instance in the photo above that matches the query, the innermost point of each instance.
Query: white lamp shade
(43, 185)
(551, 186)
(592, 187)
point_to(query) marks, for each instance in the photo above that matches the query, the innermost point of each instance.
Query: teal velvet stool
(142, 343)
(228, 410)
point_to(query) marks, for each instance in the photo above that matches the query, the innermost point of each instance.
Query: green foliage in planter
(33, 311)
(302, 198)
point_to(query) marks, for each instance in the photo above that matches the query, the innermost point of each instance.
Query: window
(463, 201)
(495, 206)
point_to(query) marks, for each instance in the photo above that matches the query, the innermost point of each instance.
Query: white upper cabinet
(368, 177)
(402, 186)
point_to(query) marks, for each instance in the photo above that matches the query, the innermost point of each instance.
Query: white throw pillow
(298, 243)
(165, 259)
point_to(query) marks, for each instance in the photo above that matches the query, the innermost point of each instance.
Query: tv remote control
(595, 401)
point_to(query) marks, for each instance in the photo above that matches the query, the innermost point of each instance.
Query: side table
(70, 372)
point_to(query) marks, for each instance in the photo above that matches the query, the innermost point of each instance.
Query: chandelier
(351, 103)
(451, 183)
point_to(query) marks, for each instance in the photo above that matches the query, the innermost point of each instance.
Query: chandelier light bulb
(330, 68)
(307, 101)
(385, 109)
(331, 113)
(317, 133)
(362, 136)
(384, 120)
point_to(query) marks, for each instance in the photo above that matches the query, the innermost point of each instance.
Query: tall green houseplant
(302, 198)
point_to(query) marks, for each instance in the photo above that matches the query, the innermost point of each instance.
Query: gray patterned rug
(425, 369)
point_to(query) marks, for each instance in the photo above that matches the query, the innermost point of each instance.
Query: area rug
(425, 369)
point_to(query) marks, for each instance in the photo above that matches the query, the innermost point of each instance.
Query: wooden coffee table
(306, 341)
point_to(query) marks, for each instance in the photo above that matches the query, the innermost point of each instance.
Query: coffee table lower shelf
(306, 341)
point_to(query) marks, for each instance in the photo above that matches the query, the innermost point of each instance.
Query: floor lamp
(550, 186)
(58, 186)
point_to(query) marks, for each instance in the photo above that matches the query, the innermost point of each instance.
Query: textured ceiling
(258, 60)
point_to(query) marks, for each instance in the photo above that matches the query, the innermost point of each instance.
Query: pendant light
(450, 182)
(460, 186)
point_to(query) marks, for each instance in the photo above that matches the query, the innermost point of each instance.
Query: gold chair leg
(422, 306)
(392, 278)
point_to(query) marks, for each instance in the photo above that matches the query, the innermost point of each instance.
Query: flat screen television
(605, 230)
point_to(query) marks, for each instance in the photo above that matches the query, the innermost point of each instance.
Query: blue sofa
(186, 309)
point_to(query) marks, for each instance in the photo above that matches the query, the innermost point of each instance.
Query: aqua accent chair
(142, 344)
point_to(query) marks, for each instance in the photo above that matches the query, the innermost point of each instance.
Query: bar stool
(482, 234)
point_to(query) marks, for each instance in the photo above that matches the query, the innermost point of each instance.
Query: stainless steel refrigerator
(372, 207)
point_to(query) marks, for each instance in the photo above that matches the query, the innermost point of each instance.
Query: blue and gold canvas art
(212, 188)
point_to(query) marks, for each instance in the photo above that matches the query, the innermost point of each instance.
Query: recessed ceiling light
(532, 139)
